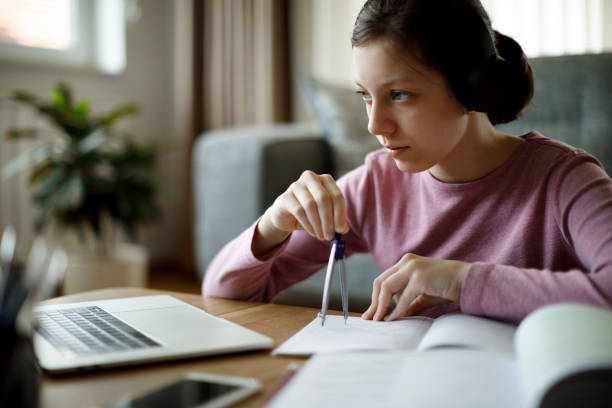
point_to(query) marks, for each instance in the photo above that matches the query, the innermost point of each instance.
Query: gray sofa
(239, 172)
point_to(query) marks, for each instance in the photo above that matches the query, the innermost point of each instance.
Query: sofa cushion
(572, 103)
(341, 113)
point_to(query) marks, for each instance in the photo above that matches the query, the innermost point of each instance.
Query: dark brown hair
(487, 70)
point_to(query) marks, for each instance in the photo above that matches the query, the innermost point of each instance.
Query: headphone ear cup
(486, 85)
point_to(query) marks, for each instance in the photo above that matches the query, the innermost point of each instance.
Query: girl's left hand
(426, 282)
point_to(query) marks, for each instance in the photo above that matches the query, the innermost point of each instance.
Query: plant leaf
(112, 116)
(62, 97)
(82, 109)
(47, 186)
(27, 159)
(69, 195)
(71, 124)
(24, 97)
(59, 99)
(41, 171)
(41, 217)
(20, 133)
(92, 141)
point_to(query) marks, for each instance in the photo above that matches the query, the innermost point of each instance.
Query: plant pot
(127, 265)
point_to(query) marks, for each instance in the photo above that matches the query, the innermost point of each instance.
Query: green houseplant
(89, 176)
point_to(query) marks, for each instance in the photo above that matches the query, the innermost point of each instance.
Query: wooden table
(101, 387)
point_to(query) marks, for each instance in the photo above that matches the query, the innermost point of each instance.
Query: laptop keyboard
(89, 330)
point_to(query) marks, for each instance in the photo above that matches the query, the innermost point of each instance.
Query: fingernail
(387, 318)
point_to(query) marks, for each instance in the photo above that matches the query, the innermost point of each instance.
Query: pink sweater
(537, 230)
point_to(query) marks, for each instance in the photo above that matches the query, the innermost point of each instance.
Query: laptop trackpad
(172, 325)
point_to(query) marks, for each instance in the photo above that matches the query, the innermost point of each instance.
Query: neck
(481, 150)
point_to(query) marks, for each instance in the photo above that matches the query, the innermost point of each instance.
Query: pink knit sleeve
(236, 273)
(581, 198)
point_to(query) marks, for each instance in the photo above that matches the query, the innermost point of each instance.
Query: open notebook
(563, 359)
(413, 333)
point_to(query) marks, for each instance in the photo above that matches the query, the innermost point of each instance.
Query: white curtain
(553, 27)
(245, 78)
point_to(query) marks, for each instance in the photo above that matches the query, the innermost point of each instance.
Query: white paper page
(441, 378)
(458, 378)
(463, 330)
(338, 380)
(559, 340)
(357, 334)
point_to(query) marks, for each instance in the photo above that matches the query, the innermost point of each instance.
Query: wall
(321, 44)
(149, 80)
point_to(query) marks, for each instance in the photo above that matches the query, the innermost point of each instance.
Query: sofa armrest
(239, 172)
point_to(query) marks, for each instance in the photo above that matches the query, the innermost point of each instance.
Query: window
(49, 23)
(77, 33)
(553, 27)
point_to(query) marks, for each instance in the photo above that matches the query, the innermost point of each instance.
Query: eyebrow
(391, 82)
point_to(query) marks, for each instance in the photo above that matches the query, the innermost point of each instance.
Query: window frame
(91, 49)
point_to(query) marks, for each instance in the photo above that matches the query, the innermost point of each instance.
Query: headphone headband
(474, 75)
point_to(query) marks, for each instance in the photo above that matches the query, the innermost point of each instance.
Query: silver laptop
(104, 333)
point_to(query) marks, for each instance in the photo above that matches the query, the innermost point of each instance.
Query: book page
(563, 339)
(341, 380)
(461, 330)
(442, 378)
(458, 378)
(357, 334)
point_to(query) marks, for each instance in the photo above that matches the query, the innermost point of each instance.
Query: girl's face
(412, 110)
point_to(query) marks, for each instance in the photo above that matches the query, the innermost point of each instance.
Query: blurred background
(198, 65)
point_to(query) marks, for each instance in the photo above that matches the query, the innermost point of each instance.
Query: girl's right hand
(313, 203)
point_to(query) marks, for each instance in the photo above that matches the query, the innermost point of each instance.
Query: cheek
(455, 109)
(452, 119)
(450, 131)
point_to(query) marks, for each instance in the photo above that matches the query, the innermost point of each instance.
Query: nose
(380, 121)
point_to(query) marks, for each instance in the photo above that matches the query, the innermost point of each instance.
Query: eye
(400, 96)
(364, 95)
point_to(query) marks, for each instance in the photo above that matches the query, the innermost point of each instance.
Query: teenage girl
(457, 214)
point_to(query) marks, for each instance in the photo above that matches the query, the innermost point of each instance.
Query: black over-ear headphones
(478, 83)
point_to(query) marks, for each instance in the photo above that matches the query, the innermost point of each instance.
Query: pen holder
(18, 371)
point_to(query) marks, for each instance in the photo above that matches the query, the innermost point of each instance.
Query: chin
(408, 167)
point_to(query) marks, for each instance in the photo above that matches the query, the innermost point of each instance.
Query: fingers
(424, 282)
(321, 204)
(307, 210)
(321, 209)
(412, 298)
(399, 277)
(377, 288)
(299, 213)
(392, 284)
(338, 204)
(392, 281)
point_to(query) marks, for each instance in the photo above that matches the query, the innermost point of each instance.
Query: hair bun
(516, 79)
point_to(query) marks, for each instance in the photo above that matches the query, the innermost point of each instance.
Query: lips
(396, 151)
